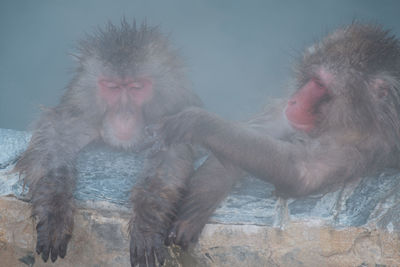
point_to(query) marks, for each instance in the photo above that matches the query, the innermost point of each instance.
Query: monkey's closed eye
(319, 84)
(135, 86)
(110, 85)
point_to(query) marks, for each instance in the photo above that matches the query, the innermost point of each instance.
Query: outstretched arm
(295, 168)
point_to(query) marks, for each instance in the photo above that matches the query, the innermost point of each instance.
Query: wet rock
(357, 224)
(12, 143)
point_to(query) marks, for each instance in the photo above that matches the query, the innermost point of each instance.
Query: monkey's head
(350, 80)
(128, 77)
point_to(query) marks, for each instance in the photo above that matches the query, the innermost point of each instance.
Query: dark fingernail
(53, 255)
(45, 255)
(63, 250)
(38, 249)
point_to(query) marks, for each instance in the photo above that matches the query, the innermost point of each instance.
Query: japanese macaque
(341, 122)
(127, 77)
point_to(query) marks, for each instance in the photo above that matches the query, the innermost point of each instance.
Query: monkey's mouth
(124, 127)
(302, 121)
(305, 127)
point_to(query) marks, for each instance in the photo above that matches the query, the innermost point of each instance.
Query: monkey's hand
(192, 125)
(53, 235)
(150, 143)
(155, 199)
(206, 188)
(146, 247)
(185, 232)
(52, 205)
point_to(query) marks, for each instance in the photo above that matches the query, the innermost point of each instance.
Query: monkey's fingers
(184, 232)
(53, 251)
(152, 129)
(43, 240)
(54, 254)
(151, 142)
(155, 148)
(161, 254)
(45, 253)
(133, 254)
(151, 261)
(138, 258)
(63, 246)
(60, 249)
(141, 259)
(51, 242)
(43, 249)
(177, 237)
(159, 250)
(171, 237)
(156, 251)
(137, 253)
(182, 239)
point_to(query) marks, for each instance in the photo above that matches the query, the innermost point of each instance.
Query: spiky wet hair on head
(124, 44)
(134, 51)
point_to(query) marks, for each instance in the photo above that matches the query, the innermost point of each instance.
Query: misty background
(239, 53)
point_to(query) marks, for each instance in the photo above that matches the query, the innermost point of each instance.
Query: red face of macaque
(302, 108)
(124, 97)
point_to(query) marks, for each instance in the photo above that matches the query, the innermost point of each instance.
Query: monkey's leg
(207, 188)
(155, 200)
(48, 166)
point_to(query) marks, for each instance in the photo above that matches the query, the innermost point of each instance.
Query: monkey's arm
(206, 189)
(296, 169)
(272, 122)
(155, 201)
(48, 166)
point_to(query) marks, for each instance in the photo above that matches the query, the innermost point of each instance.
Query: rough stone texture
(12, 143)
(354, 225)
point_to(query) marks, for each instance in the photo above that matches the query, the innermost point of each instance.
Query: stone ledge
(100, 239)
(355, 225)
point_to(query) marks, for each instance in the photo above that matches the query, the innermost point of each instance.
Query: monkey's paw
(188, 126)
(184, 232)
(150, 143)
(146, 248)
(52, 239)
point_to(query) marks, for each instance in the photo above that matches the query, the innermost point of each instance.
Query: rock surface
(355, 225)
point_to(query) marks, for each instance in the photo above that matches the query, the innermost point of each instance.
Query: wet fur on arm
(49, 172)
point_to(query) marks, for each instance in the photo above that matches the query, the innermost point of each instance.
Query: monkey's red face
(128, 91)
(303, 107)
(124, 98)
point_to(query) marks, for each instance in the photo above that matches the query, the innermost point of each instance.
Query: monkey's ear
(380, 88)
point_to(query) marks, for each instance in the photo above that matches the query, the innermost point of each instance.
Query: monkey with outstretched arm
(341, 122)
